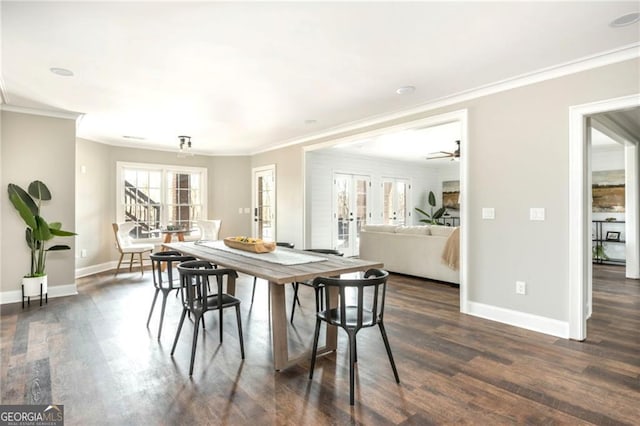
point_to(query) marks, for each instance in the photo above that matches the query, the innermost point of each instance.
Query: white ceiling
(413, 145)
(241, 77)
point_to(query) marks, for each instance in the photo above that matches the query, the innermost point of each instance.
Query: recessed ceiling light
(404, 90)
(61, 72)
(137, 138)
(624, 20)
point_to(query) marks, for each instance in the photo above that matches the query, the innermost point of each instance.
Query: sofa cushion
(441, 231)
(380, 228)
(418, 230)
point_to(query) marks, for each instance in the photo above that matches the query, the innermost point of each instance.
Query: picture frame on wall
(613, 236)
(451, 194)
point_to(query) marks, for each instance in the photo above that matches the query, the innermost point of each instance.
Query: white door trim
(579, 212)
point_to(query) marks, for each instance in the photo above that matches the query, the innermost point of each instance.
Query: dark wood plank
(108, 368)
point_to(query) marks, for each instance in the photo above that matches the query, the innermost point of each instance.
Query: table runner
(281, 256)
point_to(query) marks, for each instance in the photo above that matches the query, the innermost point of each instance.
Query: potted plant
(433, 218)
(37, 233)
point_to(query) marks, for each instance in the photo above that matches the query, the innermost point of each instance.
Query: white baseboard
(14, 296)
(520, 319)
(96, 269)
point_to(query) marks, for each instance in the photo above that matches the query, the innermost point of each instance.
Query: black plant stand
(46, 297)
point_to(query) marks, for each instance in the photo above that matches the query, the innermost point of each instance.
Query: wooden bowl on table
(253, 245)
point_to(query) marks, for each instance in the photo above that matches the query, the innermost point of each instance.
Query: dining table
(280, 267)
(179, 233)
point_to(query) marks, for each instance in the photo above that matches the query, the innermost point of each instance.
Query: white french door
(395, 196)
(351, 194)
(264, 203)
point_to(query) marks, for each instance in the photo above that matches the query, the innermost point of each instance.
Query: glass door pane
(395, 194)
(264, 213)
(351, 193)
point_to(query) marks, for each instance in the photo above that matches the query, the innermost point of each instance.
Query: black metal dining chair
(195, 278)
(165, 279)
(309, 283)
(352, 314)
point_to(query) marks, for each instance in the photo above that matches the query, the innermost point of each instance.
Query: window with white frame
(160, 196)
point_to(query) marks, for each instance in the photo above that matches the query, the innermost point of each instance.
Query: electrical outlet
(521, 287)
(83, 253)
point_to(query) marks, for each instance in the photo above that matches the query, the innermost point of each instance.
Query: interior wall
(228, 190)
(289, 191)
(93, 206)
(518, 159)
(42, 148)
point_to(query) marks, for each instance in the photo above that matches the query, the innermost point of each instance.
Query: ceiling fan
(445, 154)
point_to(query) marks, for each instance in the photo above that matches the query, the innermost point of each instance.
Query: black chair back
(168, 258)
(326, 251)
(361, 300)
(285, 244)
(194, 277)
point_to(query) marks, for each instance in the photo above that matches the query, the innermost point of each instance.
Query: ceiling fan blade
(441, 154)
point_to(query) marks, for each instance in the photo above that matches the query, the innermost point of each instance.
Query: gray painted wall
(37, 148)
(518, 154)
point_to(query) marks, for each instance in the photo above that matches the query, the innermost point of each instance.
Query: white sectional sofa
(411, 250)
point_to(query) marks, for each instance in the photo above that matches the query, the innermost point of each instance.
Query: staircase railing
(140, 208)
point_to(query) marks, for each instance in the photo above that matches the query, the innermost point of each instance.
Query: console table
(607, 232)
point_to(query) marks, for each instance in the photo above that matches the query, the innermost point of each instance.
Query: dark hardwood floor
(94, 354)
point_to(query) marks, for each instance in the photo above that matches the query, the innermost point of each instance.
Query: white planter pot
(31, 286)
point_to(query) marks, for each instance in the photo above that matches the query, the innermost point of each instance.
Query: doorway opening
(616, 119)
(386, 188)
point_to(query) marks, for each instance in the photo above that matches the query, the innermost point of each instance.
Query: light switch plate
(536, 213)
(488, 213)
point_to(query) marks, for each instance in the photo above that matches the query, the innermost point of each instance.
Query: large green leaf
(39, 190)
(60, 232)
(58, 247)
(438, 214)
(29, 238)
(26, 198)
(423, 212)
(42, 232)
(432, 199)
(23, 209)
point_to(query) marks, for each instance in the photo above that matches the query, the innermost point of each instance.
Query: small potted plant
(37, 233)
(433, 218)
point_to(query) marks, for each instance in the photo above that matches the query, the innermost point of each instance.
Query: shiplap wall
(321, 166)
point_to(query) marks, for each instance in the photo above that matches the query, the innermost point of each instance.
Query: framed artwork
(613, 236)
(451, 194)
(608, 191)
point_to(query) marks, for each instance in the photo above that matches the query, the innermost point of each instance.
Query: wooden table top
(279, 274)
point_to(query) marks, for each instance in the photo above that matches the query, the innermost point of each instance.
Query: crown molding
(620, 54)
(43, 112)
